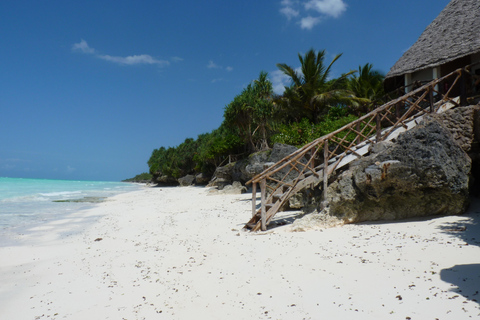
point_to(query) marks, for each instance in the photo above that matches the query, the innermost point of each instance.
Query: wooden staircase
(315, 162)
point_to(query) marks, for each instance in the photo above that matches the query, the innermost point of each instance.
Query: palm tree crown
(367, 84)
(312, 92)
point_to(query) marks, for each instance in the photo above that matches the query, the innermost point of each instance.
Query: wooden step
(278, 196)
(250, 225)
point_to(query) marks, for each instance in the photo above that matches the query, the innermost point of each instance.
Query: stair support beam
(325, 170)
(254, 199)
(263, 213)
(379, 127)
(432, 103)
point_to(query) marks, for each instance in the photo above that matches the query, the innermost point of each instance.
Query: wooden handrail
(338, 148)
(298, 154)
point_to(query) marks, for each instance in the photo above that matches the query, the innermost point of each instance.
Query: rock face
(234, 188)
(222, 176)
(201, 179)
(188, 180)
(166, 181)
(246, 169)
(423, 173)
(460, 122)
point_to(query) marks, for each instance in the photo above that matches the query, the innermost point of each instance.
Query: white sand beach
(179, 253)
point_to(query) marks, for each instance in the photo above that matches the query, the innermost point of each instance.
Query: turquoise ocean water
(25, 202)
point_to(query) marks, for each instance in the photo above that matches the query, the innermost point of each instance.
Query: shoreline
(179, 253)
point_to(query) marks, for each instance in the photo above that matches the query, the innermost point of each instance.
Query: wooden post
(397, 111)
(358, 128)
(432, 105)
(463, 89)
(254, 199)
(263, 187)
(379, 128)
(312, 161)
(325, 169)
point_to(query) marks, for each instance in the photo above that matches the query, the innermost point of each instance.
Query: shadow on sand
(466, 277)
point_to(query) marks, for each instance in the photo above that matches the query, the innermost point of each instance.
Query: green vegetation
(251, 113)
(312, 93)
(312, 106)
(301, 133)
(140, 178)
(367, 86)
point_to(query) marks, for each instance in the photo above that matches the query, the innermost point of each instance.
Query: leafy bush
(140, 178)
(303, 132)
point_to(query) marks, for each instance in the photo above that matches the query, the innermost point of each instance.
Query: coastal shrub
(251, 113)
(203, 154)
(145, 176)
(214, 147)
(303, 132)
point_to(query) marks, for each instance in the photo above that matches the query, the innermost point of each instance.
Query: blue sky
(89, 88)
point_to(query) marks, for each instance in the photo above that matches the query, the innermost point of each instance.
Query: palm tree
(367, 84)
(312, 92)
(251, 112)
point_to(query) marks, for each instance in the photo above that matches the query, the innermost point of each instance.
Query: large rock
(201, 179)
(222, 176)
(247, 168)
(188, 180)
(460, 122)
(165, 180)
(423, 173)
(280, 151)
(235, 188)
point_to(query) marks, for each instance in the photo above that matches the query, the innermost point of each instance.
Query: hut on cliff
(450, 42)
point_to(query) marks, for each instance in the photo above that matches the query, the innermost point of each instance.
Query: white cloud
(213, 65)
(309, 22)
(70, 169)
(279, 81)
(332, 8)
(309, 13)
(289, 12)
(136, 59)
(83, 47)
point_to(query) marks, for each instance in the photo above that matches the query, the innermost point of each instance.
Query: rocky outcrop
(425, 172)
(188, 180)
(235, 188)
(248, 168)
(165, 180)
(460, 123)
(245, 169)
(222, 176)
(201, 179)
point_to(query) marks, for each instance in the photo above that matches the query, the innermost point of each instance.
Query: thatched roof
(454, 34)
